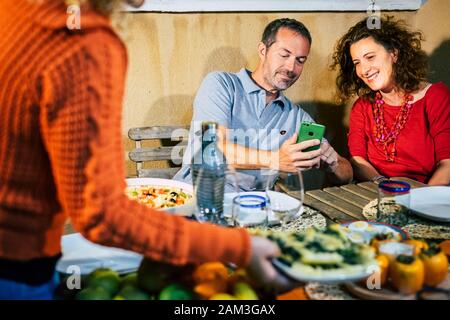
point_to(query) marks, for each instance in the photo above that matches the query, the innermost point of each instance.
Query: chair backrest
(174, 142)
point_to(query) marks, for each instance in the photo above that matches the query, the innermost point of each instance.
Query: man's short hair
(271, 30)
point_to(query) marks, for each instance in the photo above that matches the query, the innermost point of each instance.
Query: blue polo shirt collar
(284, 101)
(247, 83)
(250, 86)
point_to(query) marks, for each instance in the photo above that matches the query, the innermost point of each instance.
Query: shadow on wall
(332, 117)
(439, 64)
(178, 107)
(222, 58)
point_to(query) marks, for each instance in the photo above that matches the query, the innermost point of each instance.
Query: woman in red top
(400, 125)
(61, 155)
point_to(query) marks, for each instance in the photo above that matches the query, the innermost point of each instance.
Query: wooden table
(337, 204)
(346, 202)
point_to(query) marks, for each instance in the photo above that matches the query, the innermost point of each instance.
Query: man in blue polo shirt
(258, 123)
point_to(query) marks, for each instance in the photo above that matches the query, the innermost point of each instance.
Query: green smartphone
(309, 131)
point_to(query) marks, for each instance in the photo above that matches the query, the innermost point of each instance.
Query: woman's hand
(262, 270)
(329, 157)
(338, 168)
(441, 176)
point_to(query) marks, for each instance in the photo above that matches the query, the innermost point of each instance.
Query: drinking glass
(285, 209)
(393, 202)
(250, 210)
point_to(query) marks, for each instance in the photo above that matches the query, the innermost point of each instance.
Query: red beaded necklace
(388, 139)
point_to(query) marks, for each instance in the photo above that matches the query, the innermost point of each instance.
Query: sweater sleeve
(81, 128)
(357, 139)
(438, 112)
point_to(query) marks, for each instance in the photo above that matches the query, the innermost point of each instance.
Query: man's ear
(262, 50)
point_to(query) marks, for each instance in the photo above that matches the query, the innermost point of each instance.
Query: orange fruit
(210, 271)
(295, 294)
(383, 263)
(445, 247)
(206, 290)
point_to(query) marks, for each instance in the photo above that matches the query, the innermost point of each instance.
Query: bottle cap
(209, 130)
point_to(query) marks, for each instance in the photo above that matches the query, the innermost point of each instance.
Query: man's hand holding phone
(295, 154)
(291, 156)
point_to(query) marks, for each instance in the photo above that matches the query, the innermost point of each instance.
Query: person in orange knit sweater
(61, 155)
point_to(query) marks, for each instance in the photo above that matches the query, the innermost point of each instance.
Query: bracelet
(378, 179)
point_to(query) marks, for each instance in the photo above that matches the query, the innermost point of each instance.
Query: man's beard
(281, 85)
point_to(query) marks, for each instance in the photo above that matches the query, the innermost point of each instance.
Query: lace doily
(309, 218)
(414, 225)
(318, 291)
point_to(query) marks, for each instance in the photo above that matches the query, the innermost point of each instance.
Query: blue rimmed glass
(250, 210)
(393, 202)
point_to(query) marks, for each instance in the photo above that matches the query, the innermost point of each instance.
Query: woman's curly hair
(409, 70)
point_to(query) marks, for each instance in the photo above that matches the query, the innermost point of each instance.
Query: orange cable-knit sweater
(61, 153)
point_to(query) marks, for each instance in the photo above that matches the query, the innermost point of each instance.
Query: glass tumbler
(250, 210)
(393, 202)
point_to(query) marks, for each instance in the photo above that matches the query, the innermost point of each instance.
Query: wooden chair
(174, 142)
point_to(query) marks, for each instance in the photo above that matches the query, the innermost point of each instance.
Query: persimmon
(407, 274)
(383, 263)
(436, 265)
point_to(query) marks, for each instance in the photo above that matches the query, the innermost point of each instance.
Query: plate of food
(367, 231)
(324, 256)
(163, 194)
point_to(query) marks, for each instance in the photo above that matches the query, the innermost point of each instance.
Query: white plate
(78, 252)
(327, 277)
(273, 220)
(184, 210)
(431, 203)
